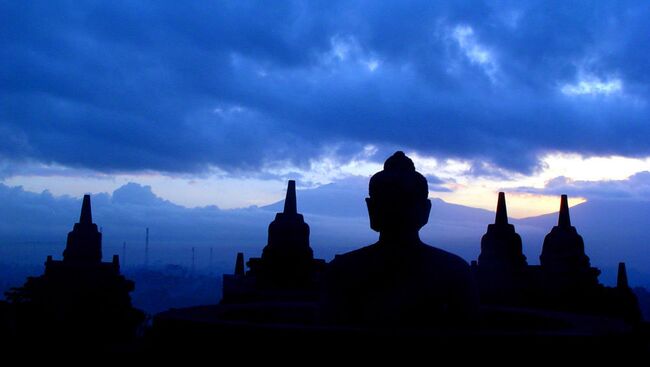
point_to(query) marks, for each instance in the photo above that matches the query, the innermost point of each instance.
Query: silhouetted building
(399, 280)
(564, 281)
(80, 296)
(626, 303)
(502, 270)
(621, 277)
(501, 245)
(564, 263)
(287, 269)
(7, 327)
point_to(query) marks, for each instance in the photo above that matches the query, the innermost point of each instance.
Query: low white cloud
(476, 52)
(329, 167)
(636, 187)
(342, 47)
(347, 50)
(372, 64)
(471, 183)
(595, 168)
(593, 86)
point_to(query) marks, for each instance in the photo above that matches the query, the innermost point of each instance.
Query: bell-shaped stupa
(287, 256)
(80, 297)
(287, 268)
(564, 248)
(501, 245)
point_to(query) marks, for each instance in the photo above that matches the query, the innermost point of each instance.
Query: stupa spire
(290, 206)
(564, 220)
(502, 212)
(621, 278)
(239, 264)
(86, 216)
(84, 241)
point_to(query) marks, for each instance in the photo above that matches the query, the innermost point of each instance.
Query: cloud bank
(635, 187)
(243, 86)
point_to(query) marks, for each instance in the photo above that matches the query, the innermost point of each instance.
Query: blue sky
(220, 103)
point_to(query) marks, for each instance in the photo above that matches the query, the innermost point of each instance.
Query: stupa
(287, 268)
(501, 245)
(564, 263)
(502, 271)
(79, 297)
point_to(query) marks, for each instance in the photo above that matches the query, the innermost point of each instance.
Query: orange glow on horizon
(520, 205)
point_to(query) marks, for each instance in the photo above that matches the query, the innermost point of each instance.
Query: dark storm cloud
(173, 87)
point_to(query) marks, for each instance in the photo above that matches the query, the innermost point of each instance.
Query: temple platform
(272, 326)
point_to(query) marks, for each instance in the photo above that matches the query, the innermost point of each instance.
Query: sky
(219, 103)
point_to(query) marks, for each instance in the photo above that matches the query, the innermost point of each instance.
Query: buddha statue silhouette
(399, 281)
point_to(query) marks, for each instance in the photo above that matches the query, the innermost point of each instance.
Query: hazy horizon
(336, 214)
